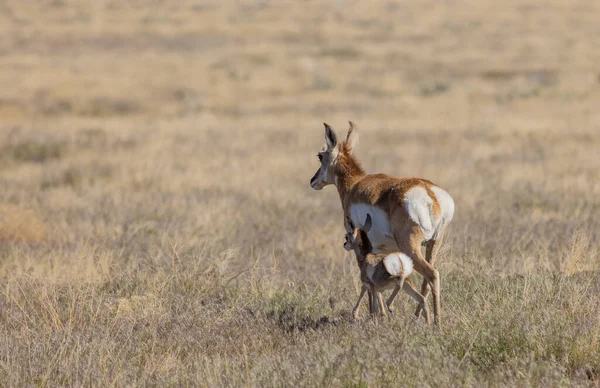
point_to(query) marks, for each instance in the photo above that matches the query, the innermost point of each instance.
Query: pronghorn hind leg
(409, 242)
(431, 249)
(410, 290)
(432, 276)
(382, 306)
(374, 302)
(399, 286)
(389, 301)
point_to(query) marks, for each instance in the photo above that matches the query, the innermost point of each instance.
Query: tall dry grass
(157, 226)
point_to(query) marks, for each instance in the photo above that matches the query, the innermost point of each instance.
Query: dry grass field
(157, 227)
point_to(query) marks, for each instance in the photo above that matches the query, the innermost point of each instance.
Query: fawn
(380, 272)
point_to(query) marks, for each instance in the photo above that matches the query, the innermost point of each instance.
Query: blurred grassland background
(156, 221)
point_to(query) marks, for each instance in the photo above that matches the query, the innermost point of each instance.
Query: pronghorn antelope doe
(380, 272)
(406, 212)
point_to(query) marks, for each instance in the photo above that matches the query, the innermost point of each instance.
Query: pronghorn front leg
(377, 306)
(374, 301)
(355, 309)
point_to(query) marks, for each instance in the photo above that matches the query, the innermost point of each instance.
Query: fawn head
(357, 239)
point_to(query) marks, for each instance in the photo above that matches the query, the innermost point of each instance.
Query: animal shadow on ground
(290, 322)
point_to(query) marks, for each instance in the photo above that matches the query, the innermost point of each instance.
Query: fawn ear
(367, 225)
(349, 220)
(330, 137)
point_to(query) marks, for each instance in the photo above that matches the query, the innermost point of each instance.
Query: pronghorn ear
(367, 225)
(349, 220)
(330, 137)
(352, 138)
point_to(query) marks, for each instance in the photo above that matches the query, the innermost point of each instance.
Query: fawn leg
(355, 309)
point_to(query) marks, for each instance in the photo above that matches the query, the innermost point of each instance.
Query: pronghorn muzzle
(314, 181)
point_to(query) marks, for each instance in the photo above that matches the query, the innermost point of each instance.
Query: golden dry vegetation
(156, 221)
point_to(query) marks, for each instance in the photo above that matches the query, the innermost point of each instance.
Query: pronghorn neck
(347, 173)
(362, 247)
(359, 257)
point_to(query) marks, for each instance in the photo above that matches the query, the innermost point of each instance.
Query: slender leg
(355, 309)
(431, 250)
(395, 292)
(410, 243)
(374, 302)
(382, 306)
(410, 290)
(399, 285)
(433, 278)
(389, 301)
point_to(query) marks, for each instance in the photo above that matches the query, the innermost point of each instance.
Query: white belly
(380, 234)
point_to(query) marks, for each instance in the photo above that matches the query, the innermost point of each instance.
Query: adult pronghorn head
(332, 154)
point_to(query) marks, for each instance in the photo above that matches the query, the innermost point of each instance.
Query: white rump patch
(392, 264)
(446, 208)
(398, 264)
(419, 206)
(380, 234)
(407, 264)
